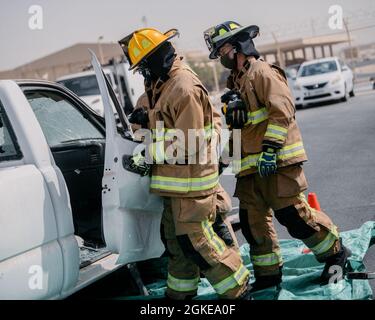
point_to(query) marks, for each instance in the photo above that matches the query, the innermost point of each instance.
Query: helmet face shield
(124, 43)
(208, 35)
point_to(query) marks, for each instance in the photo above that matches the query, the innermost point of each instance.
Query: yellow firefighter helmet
(141, 43)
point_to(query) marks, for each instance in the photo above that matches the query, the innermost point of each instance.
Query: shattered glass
(61, 122)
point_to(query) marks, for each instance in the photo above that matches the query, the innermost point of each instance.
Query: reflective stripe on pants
(182, 285)
(269, 259)
(232, 281)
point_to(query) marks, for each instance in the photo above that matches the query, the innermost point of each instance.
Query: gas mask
(158, 64)
(229, 60)
(145, 71)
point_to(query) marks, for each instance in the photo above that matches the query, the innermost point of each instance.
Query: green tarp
(300, 273)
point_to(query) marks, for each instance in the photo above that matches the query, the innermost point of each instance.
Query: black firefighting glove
(136, 164)
(139, 116)
(222, 166)
(227, 96)
(234, 110)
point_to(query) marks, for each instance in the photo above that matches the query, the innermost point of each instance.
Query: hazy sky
(66, 22)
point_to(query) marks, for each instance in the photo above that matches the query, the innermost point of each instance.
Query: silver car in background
(323, 80)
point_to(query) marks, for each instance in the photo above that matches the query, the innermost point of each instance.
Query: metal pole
(350, 46)
(349, 39)
(100, 50)
(216, 82)
(312, 26)
(279, 55)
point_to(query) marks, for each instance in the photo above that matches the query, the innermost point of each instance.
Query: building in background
(296, 51)
(66, 61)
(76, 58)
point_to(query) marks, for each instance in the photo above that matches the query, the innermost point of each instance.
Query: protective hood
(160, 62)
(244, 43)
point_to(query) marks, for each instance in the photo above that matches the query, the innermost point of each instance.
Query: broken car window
(60, 120)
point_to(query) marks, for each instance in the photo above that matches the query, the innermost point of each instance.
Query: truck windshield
(82, 86)
(318, 68)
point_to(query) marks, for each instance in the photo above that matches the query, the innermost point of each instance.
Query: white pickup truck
(69, 211)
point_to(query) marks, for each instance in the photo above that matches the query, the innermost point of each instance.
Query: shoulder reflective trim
(256, 117)
(211, 236)
(326, 243)
(276, 132)
(269, 259)
(182, 285)
(184, 184)
(291, 151)
(232, 281)
(287, 152)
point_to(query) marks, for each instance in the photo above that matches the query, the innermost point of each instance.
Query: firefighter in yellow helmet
(194, 229)
(270, 177)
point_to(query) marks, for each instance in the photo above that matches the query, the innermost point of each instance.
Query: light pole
(216, 82)
(279, 53)
(144, 21)
(100, 50)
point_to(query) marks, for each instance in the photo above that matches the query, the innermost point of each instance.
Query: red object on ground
(312, 199)
(306, 250)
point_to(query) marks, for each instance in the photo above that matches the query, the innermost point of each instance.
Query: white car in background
(291, 75)
(323, 80)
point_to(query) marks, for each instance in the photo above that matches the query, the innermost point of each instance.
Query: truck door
(35, 217)
(131, 215)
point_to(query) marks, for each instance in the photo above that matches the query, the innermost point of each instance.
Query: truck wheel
(351, 93)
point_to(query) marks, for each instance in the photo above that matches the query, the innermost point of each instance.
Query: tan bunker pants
(281, 193)
(199, 238)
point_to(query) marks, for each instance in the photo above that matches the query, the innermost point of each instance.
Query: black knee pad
(296, 226)
(222, 230)
(245, 227)
(190, 253)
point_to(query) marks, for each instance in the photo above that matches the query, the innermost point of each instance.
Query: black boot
(340, 260)
(264, 282)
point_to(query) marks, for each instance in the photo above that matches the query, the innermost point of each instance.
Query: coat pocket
(291, 181)
(197, 209)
